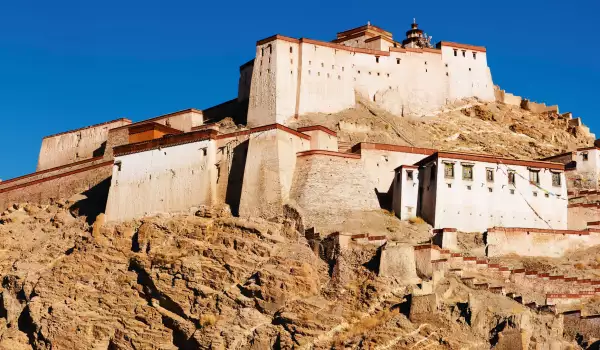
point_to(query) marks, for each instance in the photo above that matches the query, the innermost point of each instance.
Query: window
(309, 63)
(535, 194)
(512, 191)
(397, 61)
(464, 53)
(546, 195)
(467, 172)
(556, 179)
(489, 175)
(474, 55)
(469, 69)
(425, 62)
(449, 185)
(490, 189)
(455, 52)
(377, 59)
(469, 187)
(534, 177)
(322, 65)
(511, 178)
(585, 156)
(342, 69)
(409, 175)
(449, 170)
(291, 49)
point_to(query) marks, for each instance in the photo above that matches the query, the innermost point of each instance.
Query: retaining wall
(328, 186)
(60, 186)
(538, 242)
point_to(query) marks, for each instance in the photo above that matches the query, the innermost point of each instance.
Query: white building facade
(292, 77)
(475, 192)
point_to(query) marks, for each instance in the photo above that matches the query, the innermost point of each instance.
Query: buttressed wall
(76, 145)
(269, 169)
(291, 77)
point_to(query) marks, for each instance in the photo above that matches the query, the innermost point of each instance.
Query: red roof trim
(462, 46)
(160, 117)
(328, 153)
(51, 169)
(539, 230)
(393, 148)
(317, 128)
(165, 141)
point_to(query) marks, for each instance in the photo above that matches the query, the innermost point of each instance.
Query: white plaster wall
(406, 193)
(537, 244)
(477, 209)
(74, 146)
(313, 78)
(380, 165)
(468, 76)
(269, 170)
(171, 179)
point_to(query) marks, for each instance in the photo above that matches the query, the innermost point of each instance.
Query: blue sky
(68, 64)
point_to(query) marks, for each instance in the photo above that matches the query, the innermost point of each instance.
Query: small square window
(490, 189)
(585, 156)
(546, 195)
(449, 170)
(467, 172)
(511, 177)
(474, 55)
(409, 175)
(535, 194)
(469, 187)
(322, 64)
(377, 59)
(534, 176)
(449, 185)
(512, 191)
(291, 49)
(464, 53)
(556, 179)
(397, 61)
(455, 52)
(489, 175)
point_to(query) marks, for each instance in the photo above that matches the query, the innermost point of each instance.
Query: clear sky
(68, 64)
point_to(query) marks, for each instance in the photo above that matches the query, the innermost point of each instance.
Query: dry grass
(207, 320)
(416, 220)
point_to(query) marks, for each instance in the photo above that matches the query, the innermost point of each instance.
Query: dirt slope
(468, 126)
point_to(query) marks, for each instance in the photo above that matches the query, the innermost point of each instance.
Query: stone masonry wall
(60, 186)
(330, 186)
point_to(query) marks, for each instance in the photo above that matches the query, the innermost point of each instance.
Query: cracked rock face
(212, 282)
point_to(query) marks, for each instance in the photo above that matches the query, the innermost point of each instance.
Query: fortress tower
(415, 38)
(291, 77)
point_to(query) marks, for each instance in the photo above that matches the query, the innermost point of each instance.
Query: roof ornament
(414, 20)
(368, 23)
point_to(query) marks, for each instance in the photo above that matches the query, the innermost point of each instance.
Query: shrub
(416, 220)
(207, 320)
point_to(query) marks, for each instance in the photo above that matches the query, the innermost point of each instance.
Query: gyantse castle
(183, 160)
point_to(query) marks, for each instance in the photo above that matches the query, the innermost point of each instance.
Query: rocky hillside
(467, 126)
(210, 281)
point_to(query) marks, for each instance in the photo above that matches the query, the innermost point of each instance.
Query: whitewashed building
(475, 192)
(583, 167)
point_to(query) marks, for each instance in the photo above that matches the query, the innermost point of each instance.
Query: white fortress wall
(468, 72)
(588, 166)
(76, 145)
(299, 76)
(406, 192)
(169, 179)
(470, 206)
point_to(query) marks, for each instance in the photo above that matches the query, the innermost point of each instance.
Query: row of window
(464, 53)
(467, 174)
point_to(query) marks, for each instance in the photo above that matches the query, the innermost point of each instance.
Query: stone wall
(580, 214)
(59, 186)
(538, 242)
(328, 186)
(76, 145)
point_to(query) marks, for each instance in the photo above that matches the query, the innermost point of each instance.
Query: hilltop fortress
(265, 168)
(291, 77)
